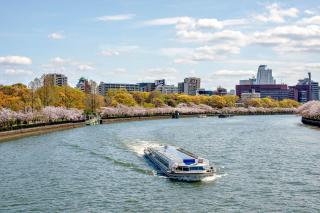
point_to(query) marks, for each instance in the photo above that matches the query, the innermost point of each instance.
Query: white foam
(212, 178)
(139, 146)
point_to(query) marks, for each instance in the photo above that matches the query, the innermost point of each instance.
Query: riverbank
(20, 133)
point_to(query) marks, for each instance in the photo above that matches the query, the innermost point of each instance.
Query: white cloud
(237, 73)
(15, 60)
(164, 21)
(290, 38)
(115, 51)
(167, 73)
(309, 12)
(119, 17)
(56, 36)
(58, 60)
(85, 67)
(309, 21)
(276, 14)
(18, 72)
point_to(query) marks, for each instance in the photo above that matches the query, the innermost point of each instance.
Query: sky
(130, 41)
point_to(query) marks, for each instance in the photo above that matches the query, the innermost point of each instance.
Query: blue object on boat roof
(189, 161)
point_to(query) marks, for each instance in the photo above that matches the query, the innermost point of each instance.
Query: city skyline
(130, 42)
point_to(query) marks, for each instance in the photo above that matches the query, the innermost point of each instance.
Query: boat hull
(188, 177)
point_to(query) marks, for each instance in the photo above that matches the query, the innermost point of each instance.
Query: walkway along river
(264, 163)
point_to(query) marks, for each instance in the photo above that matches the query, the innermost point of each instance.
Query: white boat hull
(181, 176)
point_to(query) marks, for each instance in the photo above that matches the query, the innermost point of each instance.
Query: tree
(217, 101)
(140, 97)
(288, 103)
(120, 96)
(231, 100)
(253, 102)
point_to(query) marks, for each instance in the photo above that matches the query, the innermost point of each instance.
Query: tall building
(104, 87)
(306, 90)
(264, 75)
(275, 91)
(87, 86)
(55, 79)
(189, 86)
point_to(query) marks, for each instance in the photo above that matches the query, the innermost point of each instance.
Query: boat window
(197, 168)
(179, 168)
(185, 168)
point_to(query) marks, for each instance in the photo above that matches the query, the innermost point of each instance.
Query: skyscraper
(264, 75)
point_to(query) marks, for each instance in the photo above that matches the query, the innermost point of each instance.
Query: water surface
(264, 163)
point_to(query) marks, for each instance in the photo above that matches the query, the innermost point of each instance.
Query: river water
(264, 164)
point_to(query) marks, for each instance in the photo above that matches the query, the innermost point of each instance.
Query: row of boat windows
(193, 168)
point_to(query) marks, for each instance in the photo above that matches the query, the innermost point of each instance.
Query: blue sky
(139, 41)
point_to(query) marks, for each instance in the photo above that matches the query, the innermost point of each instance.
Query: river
(264, 164)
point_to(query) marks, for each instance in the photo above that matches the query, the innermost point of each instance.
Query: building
(264, 75)
(147, 87)
(86, 86)
(248, 82)
(189, 86)
(104, 87)
(160, 82)
(167, 89)
(275, 91)
(306, 90)
(204, 92)
(232, 92)
(250, 95)
(55, 79)
(220, 91)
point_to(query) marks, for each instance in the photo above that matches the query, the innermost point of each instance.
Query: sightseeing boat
(179, 164)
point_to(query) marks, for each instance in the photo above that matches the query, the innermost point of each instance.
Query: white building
(264, 75)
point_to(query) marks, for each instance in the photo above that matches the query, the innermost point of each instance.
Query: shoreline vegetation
(23, 108)
(310, 113)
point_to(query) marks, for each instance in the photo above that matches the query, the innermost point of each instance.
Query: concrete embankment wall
(14, 134)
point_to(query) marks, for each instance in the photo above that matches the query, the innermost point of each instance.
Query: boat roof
(177, 155)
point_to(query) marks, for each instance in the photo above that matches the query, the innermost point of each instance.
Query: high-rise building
(104, 87)
(306, 90)
(264, 75)
(55, 79)
(189, 86)
(275, 91)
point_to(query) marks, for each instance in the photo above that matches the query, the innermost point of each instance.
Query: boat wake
(211, 178)
(139, 146)
(118, 162)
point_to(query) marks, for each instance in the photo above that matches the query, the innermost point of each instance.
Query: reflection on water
(264, 163)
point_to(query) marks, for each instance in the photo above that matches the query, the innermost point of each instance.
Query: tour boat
(179, 164)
